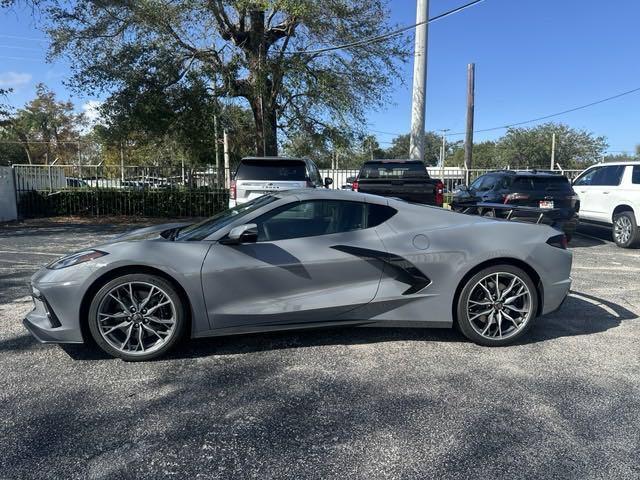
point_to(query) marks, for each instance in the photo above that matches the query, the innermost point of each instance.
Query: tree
(245, 49)
(432, 146)
(485, 155)
(531, 147)
(46, 128)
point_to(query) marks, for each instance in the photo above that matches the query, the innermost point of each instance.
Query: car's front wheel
(625, 230)
(497, 305)
(137, 317)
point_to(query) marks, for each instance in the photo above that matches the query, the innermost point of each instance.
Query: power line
(533, 120)
(387, 35)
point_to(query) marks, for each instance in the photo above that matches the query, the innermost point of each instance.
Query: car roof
(275, 158)
(615, 164)
(525, 173)
(393, 160)
(330, 194)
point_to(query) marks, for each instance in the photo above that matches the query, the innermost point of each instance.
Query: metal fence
(46, 190)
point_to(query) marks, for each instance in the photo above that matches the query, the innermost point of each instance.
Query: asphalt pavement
(334, 403)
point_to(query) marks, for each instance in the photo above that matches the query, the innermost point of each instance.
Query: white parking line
(27, 252)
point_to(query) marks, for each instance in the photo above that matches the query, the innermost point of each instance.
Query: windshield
(272, 170)
(393, 170)
(200, 231)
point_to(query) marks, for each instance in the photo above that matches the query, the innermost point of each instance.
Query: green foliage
(46, 129)
(153, 57)
(148, 203)
(432, 147)
(531, 148)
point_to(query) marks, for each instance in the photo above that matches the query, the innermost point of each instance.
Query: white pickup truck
(610, 197)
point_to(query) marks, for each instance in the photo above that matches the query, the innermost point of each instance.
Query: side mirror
(247, 233)
(462, 188)
(327, 181)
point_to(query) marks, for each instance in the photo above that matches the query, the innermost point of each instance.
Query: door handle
(606, 193)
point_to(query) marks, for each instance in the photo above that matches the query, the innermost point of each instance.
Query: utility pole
(553, 151)
(217, 149)
(443, 152)
(418, 103)
(121, 164)
(227, 176)
(468, 143)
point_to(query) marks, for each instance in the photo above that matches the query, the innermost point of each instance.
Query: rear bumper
(555, 295)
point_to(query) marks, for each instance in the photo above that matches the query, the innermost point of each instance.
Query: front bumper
(43, 323)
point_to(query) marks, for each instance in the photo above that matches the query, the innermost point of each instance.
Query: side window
(311, 218)
(635, 176)
(609, 176)
(587, 178)
(476, 183)
(378, 214)
(488, 183)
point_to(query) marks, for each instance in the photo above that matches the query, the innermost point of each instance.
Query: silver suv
(257, 176)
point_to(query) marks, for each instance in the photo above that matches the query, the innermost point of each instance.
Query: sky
(533, 58)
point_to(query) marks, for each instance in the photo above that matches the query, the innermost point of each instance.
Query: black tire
(620, 222)
(462, 315)
(151, 280)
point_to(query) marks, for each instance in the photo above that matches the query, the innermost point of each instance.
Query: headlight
(75, 259)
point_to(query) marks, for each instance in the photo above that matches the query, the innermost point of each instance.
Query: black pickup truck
(404, 179)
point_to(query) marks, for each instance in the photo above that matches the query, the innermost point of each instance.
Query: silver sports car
(301, 259)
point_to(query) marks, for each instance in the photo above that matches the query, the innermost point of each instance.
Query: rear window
(393, 170)
(271, 170)
(540, 183)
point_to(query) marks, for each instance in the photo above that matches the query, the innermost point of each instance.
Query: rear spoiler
(518, 213)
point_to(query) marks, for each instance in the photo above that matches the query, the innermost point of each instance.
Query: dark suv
(522, 189)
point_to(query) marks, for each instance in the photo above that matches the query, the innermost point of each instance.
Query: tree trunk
(261, 101)
(264, 117)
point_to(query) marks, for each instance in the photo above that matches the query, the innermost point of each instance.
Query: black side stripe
(405, 271)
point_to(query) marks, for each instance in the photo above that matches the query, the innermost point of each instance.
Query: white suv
(257, 176)
(610, 197)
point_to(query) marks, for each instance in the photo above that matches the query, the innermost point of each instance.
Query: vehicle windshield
(200, 231)
(393, 170)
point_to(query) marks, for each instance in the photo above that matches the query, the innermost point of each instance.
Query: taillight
(515, 196)
(439, 194)
(354, 186)
(559, 241)
(232, 190)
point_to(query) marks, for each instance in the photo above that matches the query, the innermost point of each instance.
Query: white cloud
(14, 80)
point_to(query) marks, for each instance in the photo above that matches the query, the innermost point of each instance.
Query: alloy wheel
(622, 229)
(136, 318)
(499, 305)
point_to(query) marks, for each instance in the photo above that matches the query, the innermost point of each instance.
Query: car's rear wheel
(137, 317)
(497, 305)
(625, 230)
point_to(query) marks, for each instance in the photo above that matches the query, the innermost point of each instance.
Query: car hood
(148, 233)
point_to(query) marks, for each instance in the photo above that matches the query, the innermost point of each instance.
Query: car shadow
(581, 314)
(580, 241)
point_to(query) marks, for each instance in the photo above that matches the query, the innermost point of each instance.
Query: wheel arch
(535, 278)
(98, 283)
(622, 208)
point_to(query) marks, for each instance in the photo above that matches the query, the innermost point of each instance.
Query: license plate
(546, 204)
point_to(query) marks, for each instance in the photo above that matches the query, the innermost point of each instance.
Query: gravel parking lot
(348, 403)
